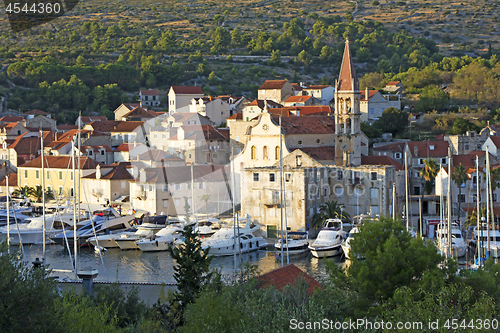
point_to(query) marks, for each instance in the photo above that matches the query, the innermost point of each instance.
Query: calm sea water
(116, 265)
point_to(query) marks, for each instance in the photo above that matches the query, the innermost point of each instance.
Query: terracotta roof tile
(150, 92)
(126, 126)
(61, 162)
(381, 160)
(289, 274)
(495, 140)
(307, 125)
(89, 119)
(11, 119)
(36, 112)
(187, 90)
(236, 116)
(297, 99)
(347, 78)
(273, 84)
(118, 172)
(393, 83)
(124, 147)
(156, 155)
(182, 174)
(371, 93)
(139, 112)
(12, 180)
(323, 153)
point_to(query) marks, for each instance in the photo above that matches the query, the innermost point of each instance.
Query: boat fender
(156, 242)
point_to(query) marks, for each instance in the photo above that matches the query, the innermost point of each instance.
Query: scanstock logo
(25, 15)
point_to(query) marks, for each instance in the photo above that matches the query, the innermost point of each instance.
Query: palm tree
(206, 198)
(429, 172)
(329, 210)
(472, 217)
(459, 176)
(21, 191)
(36, 193)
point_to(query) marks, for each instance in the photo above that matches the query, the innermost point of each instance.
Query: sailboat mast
(234, 206)
(448, 252)
(8, 214)
(75, 249)
(488, 188)
(406, 191)
(193, 207)
(43, 196)
(441, 212)
(281, 196)
(478, 244)
(393, 202)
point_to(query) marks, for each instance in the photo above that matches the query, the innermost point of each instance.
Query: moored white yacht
(297, 243)
(346, 244)
(222, 242)
(162, 240)
(494, 236)
(329, 240)
(458, 245)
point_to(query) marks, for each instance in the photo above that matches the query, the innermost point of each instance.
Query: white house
(179, 97)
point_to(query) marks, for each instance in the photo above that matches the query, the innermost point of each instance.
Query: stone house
(373, 104)
(464, 144)
(179, 97)
(108, 184)
(214, 108)
(149, 97)
(275, 90)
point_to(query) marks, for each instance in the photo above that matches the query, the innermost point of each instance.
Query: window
(420, 161)
(61, 190)
(431, 147)
(26, 174)
(372, 111)
(70, 191)
(164, 188)
(461, 198)
(48, 175)
(443, 161)
(466, 146)
(288, 177)
(102, 152)
(253, 153)
(373, 176)
(339, 175)
(256, 177)
(317, 141)
(165, 203)
(71, 175)
(271, 177)
(325, 189)
(123, 184)
(300, 142)
(298, 160)
(90, 152)
(264, 153)
(60, 175)
(37, 174)
(416, 190)
(397, 155)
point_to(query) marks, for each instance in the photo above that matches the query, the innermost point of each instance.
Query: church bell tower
(347, 114)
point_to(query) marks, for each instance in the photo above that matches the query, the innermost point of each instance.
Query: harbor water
(116, 265)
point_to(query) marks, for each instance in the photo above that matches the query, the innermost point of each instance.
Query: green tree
(27, 296)
(329, 210)
(392, 121)
(459, 176)
(462, 125)
(393, 259)
(192, 269)
(21, 191)
(275, 58)
(432, 98)
(429, 172)
(36, 193)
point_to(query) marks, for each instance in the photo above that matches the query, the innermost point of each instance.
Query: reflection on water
(138, 266)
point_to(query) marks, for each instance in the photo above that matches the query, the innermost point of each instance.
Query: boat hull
(326, 252)
(127, 244)
(105, 243)
(154, 246)
(220, 250)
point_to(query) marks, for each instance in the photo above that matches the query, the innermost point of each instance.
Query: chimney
(98, 172)
(366, 93)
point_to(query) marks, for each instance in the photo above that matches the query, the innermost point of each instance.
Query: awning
(123, 198)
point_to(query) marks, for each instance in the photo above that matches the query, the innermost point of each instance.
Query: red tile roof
(182, 174)
(89, 119)
(24, 145)
(9, 119)
(126, 126)
(371, 93)
(156, 155)
(36, 112)
(260, 103)
(139, 112)
(393, 83)
(61, 162)
(347, 78)
(307, 125)
(273, 84)
(324, 153)
(297, 99)
(187, 90)
(66, 127)
(423, 147)
(95, 148)
(304, 110)
(318, 86)
(381, 160)
(150, 92)
(495, 140)
(12, 180)
(118, 172)
(124, 147)
(286, 275)
(297, 87)
(236, 116)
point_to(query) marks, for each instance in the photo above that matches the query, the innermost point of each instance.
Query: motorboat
(206, 228)
(32, 232)
(458, 245)
(162, 240)
(329, 240)
(494, 237)
(128, 241)
(104, 221)
(107, 240)
(346, 244)
(222, 243)
(297, 242)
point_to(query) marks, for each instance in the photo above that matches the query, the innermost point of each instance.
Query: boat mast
(393, 201)
(43, 196)
(8, 215)
(477, 213)
(281, 194)
(193, 207)
(448, 252)
(406, 191)
(74, 210)
(488, 188)
(234, 206)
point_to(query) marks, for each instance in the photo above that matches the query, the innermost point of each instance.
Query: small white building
(179, 97)
(373, 104)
